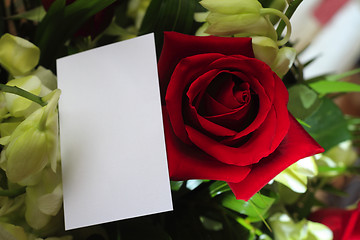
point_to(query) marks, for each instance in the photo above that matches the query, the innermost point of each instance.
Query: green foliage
(256, 208)
(60, 23)
(36, 14)
(168, 15)
(303, 101)
(328, 125)
(176, 185)
(335, 77)
(218, 187)
(326, 87)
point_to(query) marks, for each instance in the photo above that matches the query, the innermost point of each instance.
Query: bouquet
(254, 149)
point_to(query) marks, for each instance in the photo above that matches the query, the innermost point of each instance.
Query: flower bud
(47, 77)
(33, 144)
(295, 176)
(241, 18)
(232, 6)
(265, 49)
(17, 55)
(284, 60)
(284, 228)
(339, 156)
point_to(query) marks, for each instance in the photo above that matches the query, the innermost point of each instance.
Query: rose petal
(208, 126)
(210, 107)
(296, 145)
(255, 148)
(280, 105)
(249, 67)
(238, 65)
(178, 46)
(238, 119)
(186, 162)
(222, 89)
(198, 87)
(187, 70)
(193, 114)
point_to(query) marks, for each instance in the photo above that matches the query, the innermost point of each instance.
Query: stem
(22, 93)
(265, 11)
(289, 12)
(261, 217)
(12, 193)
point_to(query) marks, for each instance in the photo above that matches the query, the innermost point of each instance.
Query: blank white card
(111, 133)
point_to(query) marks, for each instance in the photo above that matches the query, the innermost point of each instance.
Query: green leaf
(256, 208)
(36, 14)
(168, 15)
(337, 77)
(326, 87)
(60, 23)
(210, 224)
(334, 77)
(328, 125)
(303, 101)
(176, 185)
(218, 188)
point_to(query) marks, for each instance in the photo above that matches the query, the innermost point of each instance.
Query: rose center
(230, 102)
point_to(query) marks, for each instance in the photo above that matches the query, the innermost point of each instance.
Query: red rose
(345, 224)
(225, 114)
(95, 25)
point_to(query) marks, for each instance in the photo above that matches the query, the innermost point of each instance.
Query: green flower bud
(339, 156)
(296, 176)
(284, 228)
(240, 25)
(47, 77)
(19, 106)
(17, 55)
(232, 6)
(265, 49)
(241, 18)
(33, 144)
(284, 60)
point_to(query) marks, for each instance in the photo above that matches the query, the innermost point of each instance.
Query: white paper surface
(112, 142)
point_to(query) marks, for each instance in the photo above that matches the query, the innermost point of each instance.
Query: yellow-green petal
(232, 6)
(284, 61)
(265, 49)
(17, 55)
(19, 106)
(11, 232)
